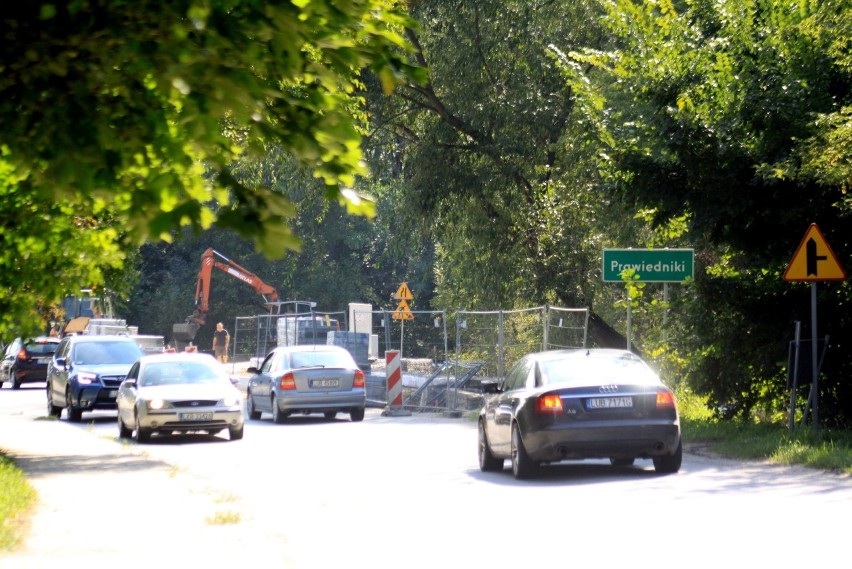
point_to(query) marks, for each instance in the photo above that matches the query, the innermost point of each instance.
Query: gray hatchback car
(306, 379)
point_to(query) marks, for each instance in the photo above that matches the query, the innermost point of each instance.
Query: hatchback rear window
(321, 359)
(41, 348)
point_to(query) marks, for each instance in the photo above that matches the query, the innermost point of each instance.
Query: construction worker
(221, 342)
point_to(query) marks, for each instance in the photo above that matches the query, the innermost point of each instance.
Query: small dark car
(579, 404)
(86, 371)
(25, 360)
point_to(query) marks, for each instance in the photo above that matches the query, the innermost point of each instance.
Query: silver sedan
(169, 393)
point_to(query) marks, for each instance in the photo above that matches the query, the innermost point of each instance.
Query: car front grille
(112, 380)
(194, 403)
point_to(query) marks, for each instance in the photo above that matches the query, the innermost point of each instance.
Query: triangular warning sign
(403, 312)
(814, 260)
(403, 293)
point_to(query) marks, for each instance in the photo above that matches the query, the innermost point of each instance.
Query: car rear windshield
(585, 370)
(100, 353)
(321, 359)
(41, 348)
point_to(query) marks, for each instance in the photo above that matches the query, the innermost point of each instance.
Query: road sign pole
(814, 363)
(629, 312)
(794, 380)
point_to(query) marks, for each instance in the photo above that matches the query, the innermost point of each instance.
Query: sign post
(403, 312)
(648, 265)
(814, 261)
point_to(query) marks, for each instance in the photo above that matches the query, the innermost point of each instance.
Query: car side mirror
(131, 381)
(490, 387)
(60, 362)
(253, 370)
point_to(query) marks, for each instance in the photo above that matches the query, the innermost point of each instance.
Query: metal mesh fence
(255, 336)
(499, 338)
(441, 370)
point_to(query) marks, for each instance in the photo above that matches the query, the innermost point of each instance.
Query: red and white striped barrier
(394, 379)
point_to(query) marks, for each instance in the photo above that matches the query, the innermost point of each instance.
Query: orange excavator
(185, 331)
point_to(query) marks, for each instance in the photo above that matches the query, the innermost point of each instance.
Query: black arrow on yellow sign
(814, 260)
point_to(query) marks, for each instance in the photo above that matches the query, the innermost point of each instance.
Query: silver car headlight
(230, 402)
(156, 404)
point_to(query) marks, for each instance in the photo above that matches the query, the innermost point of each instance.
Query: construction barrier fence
(443, 359)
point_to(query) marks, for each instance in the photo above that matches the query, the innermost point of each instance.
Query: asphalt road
(395, 492)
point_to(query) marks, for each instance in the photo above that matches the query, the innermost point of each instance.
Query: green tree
(733, 113)
(121, 120)
(490, 155)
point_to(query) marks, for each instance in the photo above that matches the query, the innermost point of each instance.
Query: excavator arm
(185, 331)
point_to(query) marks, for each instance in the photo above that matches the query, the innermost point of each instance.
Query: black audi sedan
(563, 405)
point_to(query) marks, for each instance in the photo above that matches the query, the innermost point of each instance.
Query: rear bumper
(629, 441)
(321, 402)
(26, 375)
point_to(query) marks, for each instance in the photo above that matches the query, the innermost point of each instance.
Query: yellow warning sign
(814, 260)
(402, 312)
(403, 293)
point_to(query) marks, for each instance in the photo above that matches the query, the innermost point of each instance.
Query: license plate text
(609, 402)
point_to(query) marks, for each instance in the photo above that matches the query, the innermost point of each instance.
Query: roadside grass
(823, 449)
(222, 518)
(16, 500)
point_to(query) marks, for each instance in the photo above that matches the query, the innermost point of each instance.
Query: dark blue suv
(86, 371)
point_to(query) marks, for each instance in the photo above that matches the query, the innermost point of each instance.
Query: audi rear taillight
(22, 355)
(550, 404)
(665, 400)
(287, 381)
(360, 380)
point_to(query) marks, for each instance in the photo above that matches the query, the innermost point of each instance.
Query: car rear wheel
(356, 414)
(236, 433)
(16, 383)
(487, 461)
(522, 465)
(671, 463)
(622, 461)
(52, 410)
(278, 416)
(74, 415)
(123, 431)
(252, 413)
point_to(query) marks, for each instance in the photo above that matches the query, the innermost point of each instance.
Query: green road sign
(651, 265)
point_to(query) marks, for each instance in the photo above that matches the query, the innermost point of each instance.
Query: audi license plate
(609, 403)
(208, 416)
(325, 383)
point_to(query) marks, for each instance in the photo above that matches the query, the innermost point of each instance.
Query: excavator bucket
(184, 331)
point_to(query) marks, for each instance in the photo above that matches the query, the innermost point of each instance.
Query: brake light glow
(287, 381)
(665, 400)
(549, 404)
(22, 355)
(360, 380)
